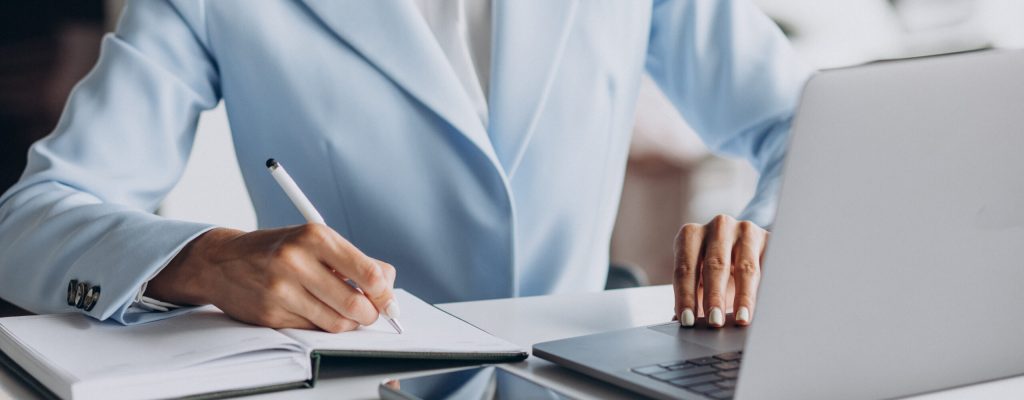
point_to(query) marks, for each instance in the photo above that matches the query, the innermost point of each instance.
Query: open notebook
(206, 354)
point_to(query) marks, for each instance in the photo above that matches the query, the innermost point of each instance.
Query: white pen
(301, 202)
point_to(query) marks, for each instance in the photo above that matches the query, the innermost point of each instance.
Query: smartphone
(479, 383)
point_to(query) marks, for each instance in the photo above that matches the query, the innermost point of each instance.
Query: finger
(376, 280)
(764, 247)
(687, 249)
(389, 272)
(325, 318)
(279, 318)
(303, 305)
(341, 255)
(339, 295)
(295, 321)
(391, 305)
(746, 270)
(298, 308)
(718, 248)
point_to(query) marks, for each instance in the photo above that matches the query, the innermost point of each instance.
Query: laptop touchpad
(729, 338)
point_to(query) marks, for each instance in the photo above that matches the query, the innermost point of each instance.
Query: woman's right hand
(290, 277)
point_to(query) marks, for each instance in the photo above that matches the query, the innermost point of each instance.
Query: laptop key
(731, 374)
(683, 373)
(733, 356)
(723, 394)
(648, 370)
(672, 363)
(726, 384)
(694, 380)
(704, 388)
(727, 365)
(681, 366)
(703, 361)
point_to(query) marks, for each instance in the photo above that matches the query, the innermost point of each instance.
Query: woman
(479, 148)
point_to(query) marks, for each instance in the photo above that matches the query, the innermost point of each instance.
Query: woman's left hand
(713, 261)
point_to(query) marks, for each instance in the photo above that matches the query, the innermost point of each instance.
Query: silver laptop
(896, 264)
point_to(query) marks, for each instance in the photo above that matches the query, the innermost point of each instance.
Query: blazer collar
(527, 43)
(394, 37)
(529, 39)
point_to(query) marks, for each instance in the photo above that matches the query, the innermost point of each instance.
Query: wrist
(189, 278)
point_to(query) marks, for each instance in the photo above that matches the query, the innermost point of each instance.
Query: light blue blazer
(356, 98)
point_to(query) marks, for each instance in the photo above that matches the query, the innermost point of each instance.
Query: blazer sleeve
(83, 209)
(733, 76)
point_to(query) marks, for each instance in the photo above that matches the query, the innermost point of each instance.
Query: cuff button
(92, 296)
(72, 288)
(80, 294)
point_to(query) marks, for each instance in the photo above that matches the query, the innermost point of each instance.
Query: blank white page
(428, 331)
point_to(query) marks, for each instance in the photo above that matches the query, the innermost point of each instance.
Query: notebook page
(82, 348)
(428, 330)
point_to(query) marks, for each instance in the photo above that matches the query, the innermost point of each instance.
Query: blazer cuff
(136, 308)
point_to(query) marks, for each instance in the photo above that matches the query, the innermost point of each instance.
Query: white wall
(212, 190)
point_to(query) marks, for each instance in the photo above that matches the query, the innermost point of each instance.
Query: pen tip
(271, 163)
(394, 324)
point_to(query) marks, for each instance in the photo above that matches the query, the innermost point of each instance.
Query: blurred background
(46, 46)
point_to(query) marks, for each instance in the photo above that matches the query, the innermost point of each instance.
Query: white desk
(526, 321)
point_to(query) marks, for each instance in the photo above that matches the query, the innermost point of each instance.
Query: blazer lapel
(529, 39)
(393, 36)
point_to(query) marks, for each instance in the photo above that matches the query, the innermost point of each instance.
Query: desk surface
(526, 321)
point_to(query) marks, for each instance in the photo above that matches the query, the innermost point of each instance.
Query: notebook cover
(483, 357)
(45, 392)
(27, 378)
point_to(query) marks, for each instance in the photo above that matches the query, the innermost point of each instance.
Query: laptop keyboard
(713, 376)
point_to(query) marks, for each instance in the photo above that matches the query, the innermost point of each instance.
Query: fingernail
(687, 319)
(717, 318)
(392, 310)
(743, 315)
